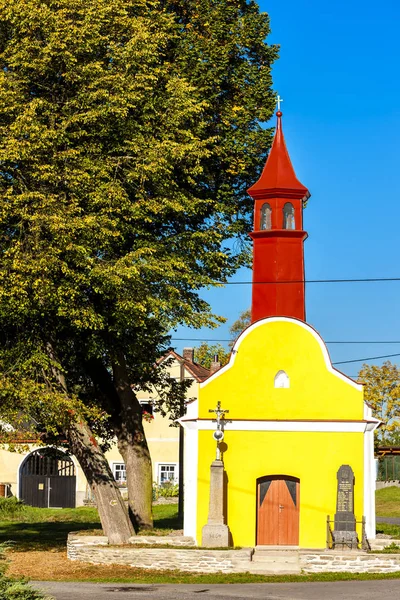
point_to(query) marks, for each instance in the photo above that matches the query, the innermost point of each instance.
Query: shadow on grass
(47, 529)
(168, 522)
(41, 536)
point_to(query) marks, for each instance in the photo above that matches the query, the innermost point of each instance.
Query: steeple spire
(278, 236)
(278, 176)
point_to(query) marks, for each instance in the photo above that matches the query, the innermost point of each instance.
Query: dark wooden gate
(47, 479)
(278, 510)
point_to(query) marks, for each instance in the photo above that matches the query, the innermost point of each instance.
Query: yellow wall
(248, 386)
(9, 464)
(247, 390)
(312, 457)
(163, 440)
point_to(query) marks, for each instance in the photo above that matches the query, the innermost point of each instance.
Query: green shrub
(165, 490)
(11, 507)
(15, 589)
(392, 549)
(168, 490)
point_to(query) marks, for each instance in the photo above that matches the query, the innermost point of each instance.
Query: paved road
(338, 590)
(391, 520)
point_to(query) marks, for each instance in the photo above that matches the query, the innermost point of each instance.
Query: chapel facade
(295, 422)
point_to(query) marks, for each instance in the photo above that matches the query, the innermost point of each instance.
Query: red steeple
(278, 257)
(278, 175)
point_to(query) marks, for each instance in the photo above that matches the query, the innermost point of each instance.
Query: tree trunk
(112, 510)
(133, 448)
(83, 444)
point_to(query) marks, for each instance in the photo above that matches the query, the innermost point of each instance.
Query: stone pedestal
(216, 534)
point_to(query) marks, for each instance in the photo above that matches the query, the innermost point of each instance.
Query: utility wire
(345, 362)
(363, 280)
(175, 339)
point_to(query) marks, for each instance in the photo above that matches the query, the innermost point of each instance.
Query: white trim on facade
(300, 426)
(305, 326)
(190, 477)
(162, 440)
(369, 473)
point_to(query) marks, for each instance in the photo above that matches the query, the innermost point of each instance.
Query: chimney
(188, 354)
(215, 365)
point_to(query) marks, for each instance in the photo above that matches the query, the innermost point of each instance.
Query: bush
(15, 589)
(392, 549)
(166, 490)
(11, 507)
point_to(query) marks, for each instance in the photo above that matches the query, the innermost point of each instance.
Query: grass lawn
(388, 502)
(47, 528)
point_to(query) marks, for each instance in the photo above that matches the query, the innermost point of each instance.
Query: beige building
(47, 477)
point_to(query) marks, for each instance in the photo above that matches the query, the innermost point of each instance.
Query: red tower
(278, 236)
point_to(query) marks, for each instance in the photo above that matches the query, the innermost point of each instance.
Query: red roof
(278, 175)
(198, 371)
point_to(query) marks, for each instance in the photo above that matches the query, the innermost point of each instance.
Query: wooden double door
(278, 510)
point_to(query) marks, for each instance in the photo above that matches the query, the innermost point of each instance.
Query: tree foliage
(382, 392)
(204, 354)
(240, 324)
(129, 132)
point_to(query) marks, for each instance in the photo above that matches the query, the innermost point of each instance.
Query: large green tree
(129, 132)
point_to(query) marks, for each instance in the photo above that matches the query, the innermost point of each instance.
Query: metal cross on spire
(279, 100)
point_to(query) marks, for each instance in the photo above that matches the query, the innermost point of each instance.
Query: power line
(189, 339)
(363, 280)
(345, 362)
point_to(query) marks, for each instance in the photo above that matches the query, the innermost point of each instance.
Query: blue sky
(338, 74)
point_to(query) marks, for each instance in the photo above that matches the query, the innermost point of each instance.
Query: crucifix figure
(216, 532)
(279, 100)
(218, 435)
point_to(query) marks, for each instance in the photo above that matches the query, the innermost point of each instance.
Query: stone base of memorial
(216, 534)
(345, 540)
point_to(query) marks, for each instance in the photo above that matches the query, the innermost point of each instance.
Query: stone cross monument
(215, 533)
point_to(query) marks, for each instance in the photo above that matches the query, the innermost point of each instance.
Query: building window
(281, 380)
(147, 410)
(119, 472)
(167, 473)
(288, 216)
(265, 220)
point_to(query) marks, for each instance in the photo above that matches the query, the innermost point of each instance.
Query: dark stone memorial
(344, 533)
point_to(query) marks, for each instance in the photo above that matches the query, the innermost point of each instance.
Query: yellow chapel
(294, 425)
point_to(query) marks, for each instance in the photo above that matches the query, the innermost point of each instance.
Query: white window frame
(115, 470)
(168, 464)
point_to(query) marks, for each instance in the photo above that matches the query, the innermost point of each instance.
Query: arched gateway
(47, 479)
